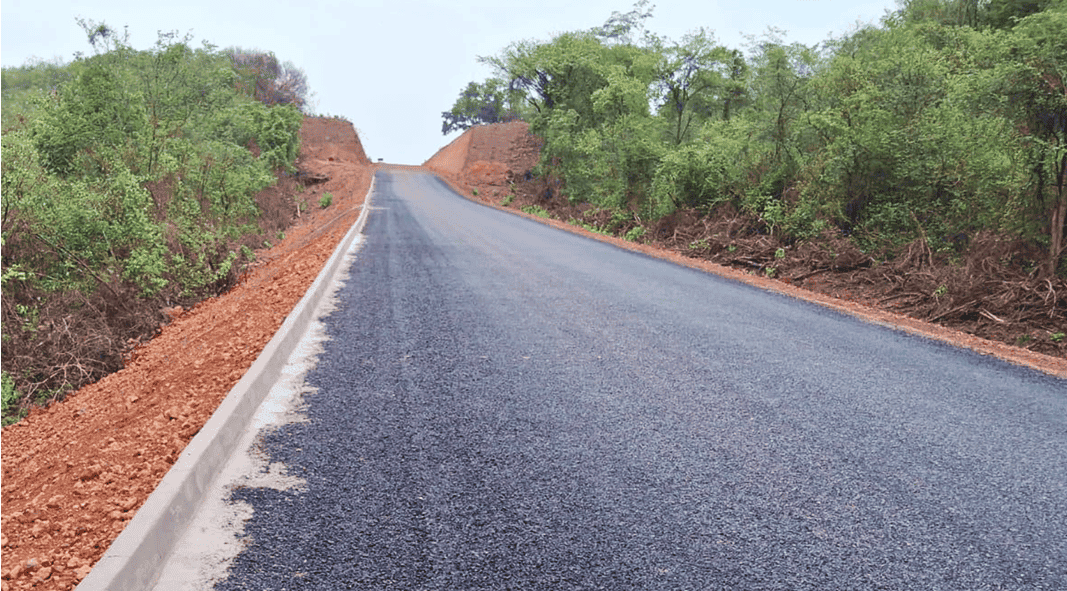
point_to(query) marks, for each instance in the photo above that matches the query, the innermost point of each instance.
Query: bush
(635, 233)
(129, 178)
(701, 174)
(537, 210)
(9, 398)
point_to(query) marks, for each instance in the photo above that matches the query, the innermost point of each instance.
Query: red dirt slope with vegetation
(76, 472)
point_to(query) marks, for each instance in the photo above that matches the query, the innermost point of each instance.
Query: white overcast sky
(390, 66)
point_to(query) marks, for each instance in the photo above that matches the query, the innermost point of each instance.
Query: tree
(261, 76)
(620, 28)
(488, 102)
(1037, 89)
(178, 84)
(781, 92)
(562, 73)
(735, 93)
(1003, 14)
(103, 38)
(95, 111)
(696, 71)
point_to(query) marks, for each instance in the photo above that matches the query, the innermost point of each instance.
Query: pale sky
(389, 66)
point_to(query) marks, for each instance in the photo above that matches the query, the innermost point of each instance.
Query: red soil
(487, 158)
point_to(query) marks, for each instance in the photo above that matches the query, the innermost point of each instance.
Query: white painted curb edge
(135, 559)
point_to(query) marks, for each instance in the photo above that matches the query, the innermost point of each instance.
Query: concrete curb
(135, 559)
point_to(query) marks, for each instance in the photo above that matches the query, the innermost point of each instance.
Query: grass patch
(589, 227)
(537, 210)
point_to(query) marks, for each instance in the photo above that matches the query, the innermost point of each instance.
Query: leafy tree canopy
(488, 102)
(944, 121)
(131, 177)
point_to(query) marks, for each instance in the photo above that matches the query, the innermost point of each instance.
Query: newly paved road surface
(506, 406)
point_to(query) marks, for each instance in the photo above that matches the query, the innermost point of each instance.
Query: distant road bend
(503, 405)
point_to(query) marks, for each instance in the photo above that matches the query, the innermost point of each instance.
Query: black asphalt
(503, 405)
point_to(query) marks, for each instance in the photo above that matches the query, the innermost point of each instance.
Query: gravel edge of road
(134, 559)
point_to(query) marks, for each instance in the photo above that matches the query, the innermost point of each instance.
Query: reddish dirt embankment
(487, 158)
(75, 473)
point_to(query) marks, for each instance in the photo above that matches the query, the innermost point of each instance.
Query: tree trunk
(1059, 219)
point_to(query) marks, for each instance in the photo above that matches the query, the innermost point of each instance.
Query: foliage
(1037, 88)
(635, 233)
(948, 119)
(25, 87)
(697, 80)
(130, 177)
(620, 28)
(701, 174)
(488, 102)
(9, 397)
(260, 76)
(561, 75)
(537, 210)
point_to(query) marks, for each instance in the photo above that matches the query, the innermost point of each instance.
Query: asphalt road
(502, 405)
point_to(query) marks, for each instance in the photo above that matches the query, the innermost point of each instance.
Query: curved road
(503, 405)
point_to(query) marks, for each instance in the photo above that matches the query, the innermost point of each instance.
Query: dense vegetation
(940, 132)
(131, 180)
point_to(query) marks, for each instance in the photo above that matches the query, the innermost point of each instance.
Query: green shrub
(635, 233)
(9, 398)
(327, 199)
(592, 228)
(537, 210)
(127, 177)
(700, 174)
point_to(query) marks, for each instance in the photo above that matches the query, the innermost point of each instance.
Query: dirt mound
(76, 472)
(324, 140)
(451, 159)
(487, 158)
